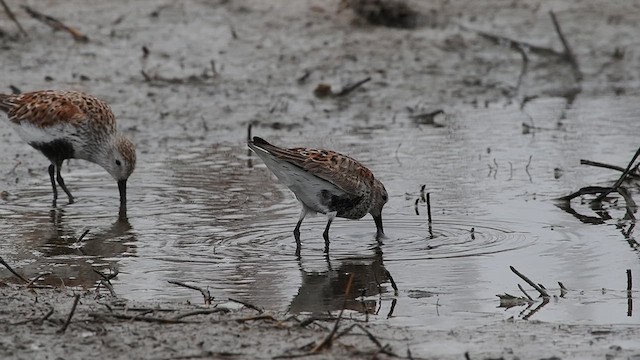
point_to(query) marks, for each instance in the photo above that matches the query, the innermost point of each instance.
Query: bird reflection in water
(323, 291)
(57, 248)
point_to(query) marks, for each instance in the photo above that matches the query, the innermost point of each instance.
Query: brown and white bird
(71, 125)
(325, 182)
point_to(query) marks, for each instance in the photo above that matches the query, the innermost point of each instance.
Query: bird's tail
(5, 102)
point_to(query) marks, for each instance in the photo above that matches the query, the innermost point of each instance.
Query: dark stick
(629, 298)
(250, 306)
(514, 44)
(249, 132)
(568, 54)
(621, 179)
(56, 24)
(139, 318)
(73, 310)
(31, 283)
(587, 190)
(13, 17)
(607, 166)
(416, 206)
(525, 293)
(429, 207)
(205, 293)
(563, 290)
(13, 271)
(201, 312)
(349, 88)
(83, 235)
(538, 288)
(422, 187)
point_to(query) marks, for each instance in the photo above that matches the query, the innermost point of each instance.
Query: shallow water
(213, 217)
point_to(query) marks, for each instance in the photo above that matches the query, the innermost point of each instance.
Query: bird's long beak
(378, 220)
(122, 186)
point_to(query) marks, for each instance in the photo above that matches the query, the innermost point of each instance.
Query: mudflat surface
(185, 80)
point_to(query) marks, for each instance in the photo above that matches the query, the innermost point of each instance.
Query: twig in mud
(201, 312)
(515, 44)
(429, 207)
(38, 319)
(542, 291)
(367, 332)
(422, 196)
(416, 207)
(568, 53)
(205, 293)
(250, 306)
(621, 179)
(4, 263)
(76, 298)
(139, 318)
(349, 88)
(629, 283)
(13, 17)
(630, 204)
(56, 24)
(328, 340)
(632, 173)
(526, 168)
(525, 293)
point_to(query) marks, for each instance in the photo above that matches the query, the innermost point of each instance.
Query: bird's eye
(118, 162)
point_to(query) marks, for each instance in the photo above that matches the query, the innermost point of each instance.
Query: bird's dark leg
(296, 231)
(52, 175)
(325, 234)
(61, 182)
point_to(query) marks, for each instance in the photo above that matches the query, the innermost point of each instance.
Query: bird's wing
(340, 170)
(48, 108)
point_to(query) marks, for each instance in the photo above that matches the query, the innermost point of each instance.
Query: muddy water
(212, 216)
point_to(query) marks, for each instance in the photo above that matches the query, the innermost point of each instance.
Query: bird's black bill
(122, 186)
(378, 220)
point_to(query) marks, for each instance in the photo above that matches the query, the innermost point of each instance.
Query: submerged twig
(621, 179)
(542, 291)
(525, 293)
(249, 305)
(429, 207)
(205, 293)
(4, 263)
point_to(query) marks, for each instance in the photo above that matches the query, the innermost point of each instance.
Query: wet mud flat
(485, 104)
(35, 325)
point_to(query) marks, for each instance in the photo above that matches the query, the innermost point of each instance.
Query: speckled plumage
(71, 124)
(325, 181)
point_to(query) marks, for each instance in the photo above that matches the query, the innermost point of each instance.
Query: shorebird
(71, 125)
(325, 182)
